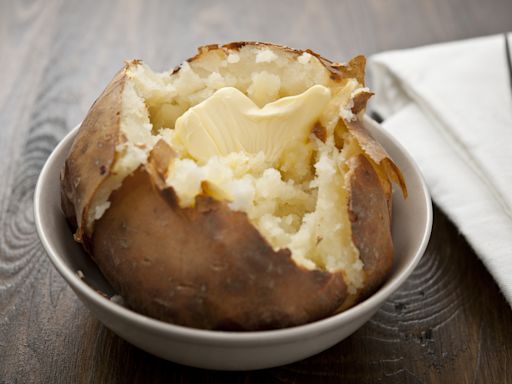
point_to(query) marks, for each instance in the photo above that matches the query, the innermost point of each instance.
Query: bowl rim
(229, 338)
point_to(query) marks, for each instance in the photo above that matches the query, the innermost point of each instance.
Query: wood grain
(448, 323)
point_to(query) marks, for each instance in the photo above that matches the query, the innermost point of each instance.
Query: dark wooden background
(448, 323)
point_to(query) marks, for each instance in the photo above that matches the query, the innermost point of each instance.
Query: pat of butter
(229, 121)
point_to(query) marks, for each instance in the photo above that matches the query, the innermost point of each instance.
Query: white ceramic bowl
(412, 221)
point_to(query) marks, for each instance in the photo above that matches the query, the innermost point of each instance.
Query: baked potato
(239, 191)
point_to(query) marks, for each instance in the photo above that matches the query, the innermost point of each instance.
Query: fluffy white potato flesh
(242, 123)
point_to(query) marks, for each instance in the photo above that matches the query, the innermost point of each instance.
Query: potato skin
(375, 152)
(371, 223)
(92, 154)
(205, 267)
(355, 68)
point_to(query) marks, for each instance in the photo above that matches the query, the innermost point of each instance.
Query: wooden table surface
(448, 323)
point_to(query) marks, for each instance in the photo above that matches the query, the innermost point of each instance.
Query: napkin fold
(450, 105)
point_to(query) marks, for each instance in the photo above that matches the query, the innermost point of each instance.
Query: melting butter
(229, 121)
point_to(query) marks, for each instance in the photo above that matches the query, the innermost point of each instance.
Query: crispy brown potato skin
(379, 156)
(371, 223)
(205, 267)
(355, 68)
(92, 154)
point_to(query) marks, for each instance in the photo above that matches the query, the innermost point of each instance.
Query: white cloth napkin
(450, 105)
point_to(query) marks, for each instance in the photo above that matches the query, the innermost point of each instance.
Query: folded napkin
(450, 105)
